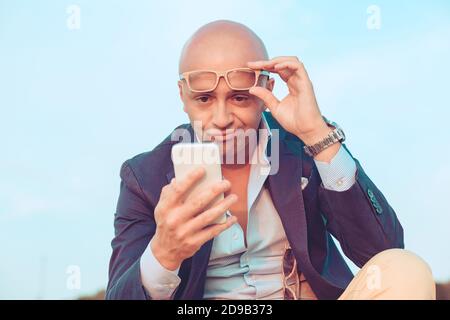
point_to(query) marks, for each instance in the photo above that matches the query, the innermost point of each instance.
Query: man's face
(224, 111)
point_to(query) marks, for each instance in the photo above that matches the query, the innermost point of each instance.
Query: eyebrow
(212, 92)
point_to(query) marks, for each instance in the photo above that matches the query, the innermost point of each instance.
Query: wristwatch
(335, 136)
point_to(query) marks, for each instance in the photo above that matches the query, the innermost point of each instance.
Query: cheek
(198, 118)
(195, 113)
(250, 117)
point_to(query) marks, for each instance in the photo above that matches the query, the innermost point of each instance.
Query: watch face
(341, 132)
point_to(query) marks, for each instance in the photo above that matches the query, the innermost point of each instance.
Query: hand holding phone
(191, 209)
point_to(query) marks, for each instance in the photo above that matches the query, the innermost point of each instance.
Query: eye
(202, 99)
(240, 98)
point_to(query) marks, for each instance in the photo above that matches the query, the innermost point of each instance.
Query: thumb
(267, 97)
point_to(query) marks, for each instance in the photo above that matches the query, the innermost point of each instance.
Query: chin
(234, 152)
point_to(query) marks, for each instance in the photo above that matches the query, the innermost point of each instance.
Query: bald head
(221, 45)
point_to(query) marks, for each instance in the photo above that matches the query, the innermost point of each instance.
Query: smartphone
(186, 157)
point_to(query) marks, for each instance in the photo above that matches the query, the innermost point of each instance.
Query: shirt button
(340, 182)
(235, 236)
(171, 286)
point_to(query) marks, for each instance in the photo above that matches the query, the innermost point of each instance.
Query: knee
(406, 269)
(403, 260)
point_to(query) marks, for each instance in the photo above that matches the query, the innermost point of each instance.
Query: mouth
(223, 137)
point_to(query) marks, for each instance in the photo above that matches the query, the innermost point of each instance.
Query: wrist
(315, 135)
(162, 257)
(323, 143)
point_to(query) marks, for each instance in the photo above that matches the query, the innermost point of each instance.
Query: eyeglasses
(207, 80)
(291, 280)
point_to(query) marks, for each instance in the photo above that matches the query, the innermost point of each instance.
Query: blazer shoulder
(148, 169)
(158, 155)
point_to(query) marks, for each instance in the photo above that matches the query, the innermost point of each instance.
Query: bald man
(276, 242)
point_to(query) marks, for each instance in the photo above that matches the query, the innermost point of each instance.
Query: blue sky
(74, 104)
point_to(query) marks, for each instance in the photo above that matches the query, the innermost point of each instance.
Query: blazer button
(370, 194)
(377, 207)
(374, 201)
(304, 182)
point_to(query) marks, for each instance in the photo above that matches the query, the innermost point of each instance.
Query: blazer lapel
(287, 197)
(286, 193)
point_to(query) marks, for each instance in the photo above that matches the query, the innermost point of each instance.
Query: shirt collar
(265, 135)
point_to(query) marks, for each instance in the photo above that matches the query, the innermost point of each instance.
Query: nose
(222, 116)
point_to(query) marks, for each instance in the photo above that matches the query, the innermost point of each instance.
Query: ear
(180, 90)
(270, 84)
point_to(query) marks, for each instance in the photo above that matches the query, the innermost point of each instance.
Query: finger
(207, 217)
(272, 61)
(197, 203)
(279, 64)
(291, 65)
(177, 188)
(213, 231)
(269, 64)
(267, 97)
(290, 69)
(295, 66)
(289, 73)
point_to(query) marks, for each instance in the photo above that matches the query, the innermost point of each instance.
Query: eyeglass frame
(224, 74)
(295, 292)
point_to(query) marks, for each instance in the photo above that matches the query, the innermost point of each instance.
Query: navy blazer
(360, 218)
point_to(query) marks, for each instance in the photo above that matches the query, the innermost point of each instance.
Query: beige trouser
(392, 274)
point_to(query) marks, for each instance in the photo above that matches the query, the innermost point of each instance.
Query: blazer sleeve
(361, 218)
(134, 227)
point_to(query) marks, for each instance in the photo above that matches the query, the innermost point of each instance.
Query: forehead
(220, 53)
